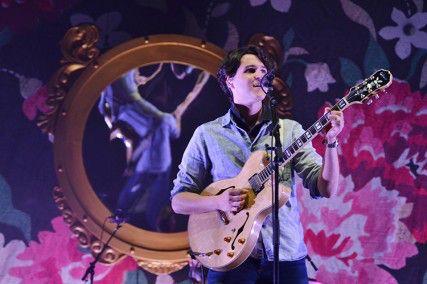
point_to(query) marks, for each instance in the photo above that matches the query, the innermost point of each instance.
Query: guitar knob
(227, 239)
(217, 251)
(230, 254)
(241, 241)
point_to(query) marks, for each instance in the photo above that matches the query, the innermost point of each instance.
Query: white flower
(278, 5)
(408, 31)
(318, 76)
(9, 259)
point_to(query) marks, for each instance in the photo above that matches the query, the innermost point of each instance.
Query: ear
(229, 82)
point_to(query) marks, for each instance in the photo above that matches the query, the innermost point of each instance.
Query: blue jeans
(255, 271)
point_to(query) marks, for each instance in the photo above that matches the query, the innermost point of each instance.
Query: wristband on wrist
(332, 145)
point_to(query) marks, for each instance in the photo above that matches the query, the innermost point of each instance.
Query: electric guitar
(223, 240)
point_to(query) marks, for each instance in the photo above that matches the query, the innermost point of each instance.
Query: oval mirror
(120, 123)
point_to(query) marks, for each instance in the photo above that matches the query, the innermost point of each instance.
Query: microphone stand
(119, 217)
(91, 269)
(278, 156)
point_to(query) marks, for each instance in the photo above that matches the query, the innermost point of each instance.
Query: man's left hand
(337, 124)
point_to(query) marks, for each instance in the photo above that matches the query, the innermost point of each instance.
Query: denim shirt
(219, 149)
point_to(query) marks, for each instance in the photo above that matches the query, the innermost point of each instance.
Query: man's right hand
(232, 199)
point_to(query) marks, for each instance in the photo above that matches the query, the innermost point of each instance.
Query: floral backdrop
(373, 231)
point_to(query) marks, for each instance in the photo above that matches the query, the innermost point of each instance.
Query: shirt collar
(233, 115)
(226, 119)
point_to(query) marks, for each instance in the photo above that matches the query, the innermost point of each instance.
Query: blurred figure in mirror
(146, 131)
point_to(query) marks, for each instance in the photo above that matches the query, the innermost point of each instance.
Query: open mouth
(256, 84)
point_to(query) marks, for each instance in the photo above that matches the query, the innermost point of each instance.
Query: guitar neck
(297, 144)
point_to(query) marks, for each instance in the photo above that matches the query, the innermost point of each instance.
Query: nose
(258, 76)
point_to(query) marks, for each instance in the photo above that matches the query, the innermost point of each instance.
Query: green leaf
(289, 80)
(136, 276)
(358, 15)
(288, 38)
(375, 58)
(5, 36)
(11, 216)
(350, 72)
(415, 62)
(423, 77)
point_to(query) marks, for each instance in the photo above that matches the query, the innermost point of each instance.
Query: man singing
(219, 149)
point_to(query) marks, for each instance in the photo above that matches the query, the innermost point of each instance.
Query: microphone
(267, 80)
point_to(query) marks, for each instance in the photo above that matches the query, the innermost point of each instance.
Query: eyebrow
(256, 66)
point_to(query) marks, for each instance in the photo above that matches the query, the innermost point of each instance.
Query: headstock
(363, 92)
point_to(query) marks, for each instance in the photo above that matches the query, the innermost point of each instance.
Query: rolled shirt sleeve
(194, 168)
(307, 163)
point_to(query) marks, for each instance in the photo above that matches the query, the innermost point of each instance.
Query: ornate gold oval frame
(74, 89)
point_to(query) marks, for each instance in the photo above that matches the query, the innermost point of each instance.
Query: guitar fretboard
(256, 181)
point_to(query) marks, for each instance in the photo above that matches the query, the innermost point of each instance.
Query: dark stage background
(373, 231)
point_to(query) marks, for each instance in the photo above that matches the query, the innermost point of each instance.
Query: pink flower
(21, 15)
(387, 139)
(103, 273)
(35, 103)
(327, 245)
(408, 31)
(378, 212)
(363, 272)
(57, 259)
(354, 231)
(318, 76)
(398, 120)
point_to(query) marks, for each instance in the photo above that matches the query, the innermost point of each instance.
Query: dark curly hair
(231, 63)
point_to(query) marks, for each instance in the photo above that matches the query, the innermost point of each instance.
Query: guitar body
(223, 240)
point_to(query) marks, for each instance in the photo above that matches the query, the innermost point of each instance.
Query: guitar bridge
(223, 217)
(196, 253)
